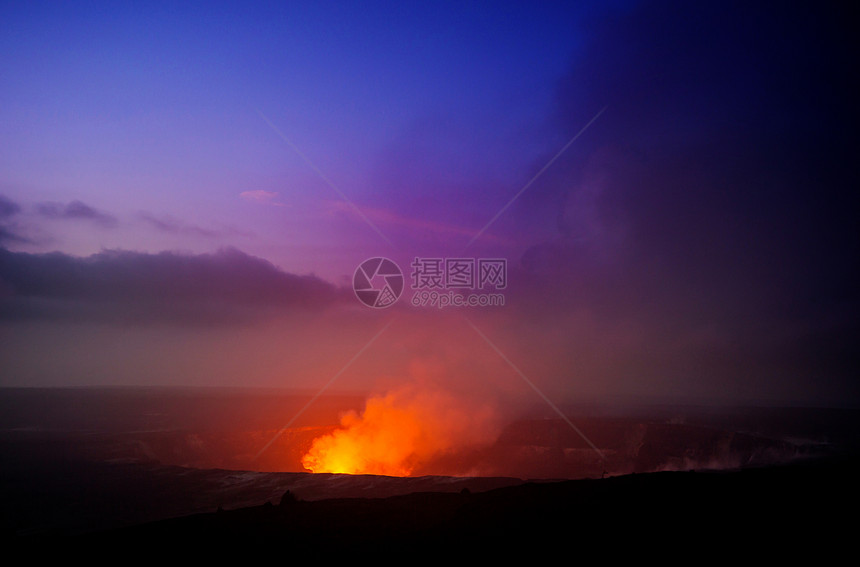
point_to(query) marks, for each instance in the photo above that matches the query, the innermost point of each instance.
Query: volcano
(189, 473)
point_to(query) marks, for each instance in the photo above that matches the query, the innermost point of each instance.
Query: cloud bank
(228, 286)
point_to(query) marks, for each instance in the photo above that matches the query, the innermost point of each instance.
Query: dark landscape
(75, 473)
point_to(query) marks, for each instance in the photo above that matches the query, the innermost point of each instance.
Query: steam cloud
(400, 431)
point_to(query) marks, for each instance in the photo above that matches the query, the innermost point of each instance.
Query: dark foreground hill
(124, 473)
(808, 505)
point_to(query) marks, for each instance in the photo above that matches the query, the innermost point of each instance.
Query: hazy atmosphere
(187, 191)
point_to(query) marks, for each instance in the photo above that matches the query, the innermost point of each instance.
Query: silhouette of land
(151, 468)
(802, 506)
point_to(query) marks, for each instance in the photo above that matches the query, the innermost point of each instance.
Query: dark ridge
(797, 505)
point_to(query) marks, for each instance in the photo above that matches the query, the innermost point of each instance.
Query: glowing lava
(396, 433)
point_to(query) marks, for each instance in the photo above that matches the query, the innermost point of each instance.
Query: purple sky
(159, 117)
(185, 193)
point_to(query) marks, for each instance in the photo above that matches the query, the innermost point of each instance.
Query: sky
(186, 192)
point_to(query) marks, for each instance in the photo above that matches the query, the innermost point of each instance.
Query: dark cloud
(176, 227)
(172, 226)
(727, 148)
(7, 235)
(76, 210)
(119, 286)
(713, 206)
(9, 209)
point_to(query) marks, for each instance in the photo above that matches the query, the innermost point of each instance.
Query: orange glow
(397, 433)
